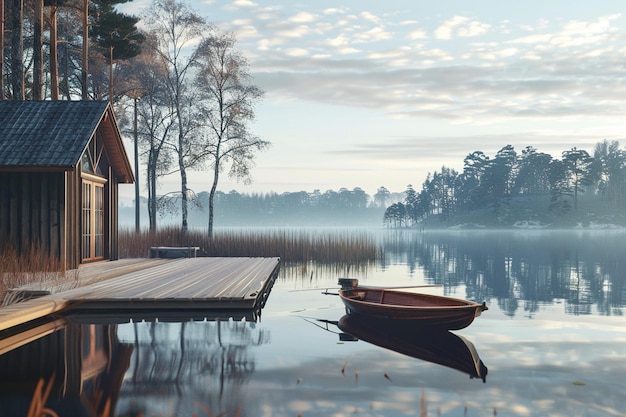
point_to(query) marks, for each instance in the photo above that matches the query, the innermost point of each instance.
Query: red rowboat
(429, 310)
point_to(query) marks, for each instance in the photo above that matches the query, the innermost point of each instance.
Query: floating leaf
(578, 383)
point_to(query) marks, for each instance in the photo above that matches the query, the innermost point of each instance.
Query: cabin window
(92, 214)
(94, 166)
(94, 160)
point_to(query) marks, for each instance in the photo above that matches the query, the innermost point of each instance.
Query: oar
(313, 289)
(398, 288)
(325, 292)
(376, 288)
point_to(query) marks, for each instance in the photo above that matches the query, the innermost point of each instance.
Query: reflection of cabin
(84, 364)
(60, 166)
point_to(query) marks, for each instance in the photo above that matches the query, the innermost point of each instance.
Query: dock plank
(183, 283)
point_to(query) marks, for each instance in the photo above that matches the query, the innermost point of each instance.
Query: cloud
(302, 17)
(372, 35)
(462, 27)
(340, 40)
(293, 31)
(239, 4)
(440, 54)
(332, 10)
(348, 51)
(400, 52)
(469, 70)
(473, 29)
(245, 30)
(574, 34)
(444, 31)
(296, 52)
(450, 150)
(417, 34)
(369, 16)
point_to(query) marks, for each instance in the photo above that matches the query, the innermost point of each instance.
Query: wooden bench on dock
(173, 252)
(219, 284)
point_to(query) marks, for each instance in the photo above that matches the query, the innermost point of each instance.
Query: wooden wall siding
(111, 224)
(72, 220)
(31, 208)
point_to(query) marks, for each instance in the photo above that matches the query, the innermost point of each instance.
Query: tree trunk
(136, 149)
(216, 173)
(85, 70)
(183, 197)
(1, 49)
(152, 202)
(111, 74)
(181, 162)
(38, 51)
(54, 65)
(17, 63)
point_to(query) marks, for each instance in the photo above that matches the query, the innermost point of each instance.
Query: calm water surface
(553, 340)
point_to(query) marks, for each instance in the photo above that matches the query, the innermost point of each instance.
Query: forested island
(511, 189)
(527, 189)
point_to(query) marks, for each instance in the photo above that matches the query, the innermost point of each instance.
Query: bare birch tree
(176, 29)
(228, 106)
(144, 81)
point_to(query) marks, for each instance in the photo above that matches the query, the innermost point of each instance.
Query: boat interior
(382, 296)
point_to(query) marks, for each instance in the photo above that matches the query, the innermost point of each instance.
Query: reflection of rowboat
(430, 344)
(428, 310)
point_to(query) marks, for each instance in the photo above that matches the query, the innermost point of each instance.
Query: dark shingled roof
(47, 133)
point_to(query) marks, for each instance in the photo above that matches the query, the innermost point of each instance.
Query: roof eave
(119, 157)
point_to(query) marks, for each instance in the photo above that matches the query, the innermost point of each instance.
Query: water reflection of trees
(521, 270)
(207, 363)
(318, 274)
(145, 368)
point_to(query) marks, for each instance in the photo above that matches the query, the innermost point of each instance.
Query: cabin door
(92, 220)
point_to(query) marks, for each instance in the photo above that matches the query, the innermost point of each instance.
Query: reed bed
(29, 266)
(345, 247)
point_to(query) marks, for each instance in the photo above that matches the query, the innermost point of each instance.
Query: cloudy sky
(366, 93)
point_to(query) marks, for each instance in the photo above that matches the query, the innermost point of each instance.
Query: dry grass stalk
(30, 266)
(289, 245)
(40, 397)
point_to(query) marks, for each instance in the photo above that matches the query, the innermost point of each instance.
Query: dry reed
(290, 245)
(28, 266)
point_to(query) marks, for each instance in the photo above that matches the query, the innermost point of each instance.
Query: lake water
(553, 341)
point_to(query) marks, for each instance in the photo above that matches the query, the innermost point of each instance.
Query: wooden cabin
(60, 166)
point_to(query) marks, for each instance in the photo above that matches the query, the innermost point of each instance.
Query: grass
(289, 245)
(29, 266)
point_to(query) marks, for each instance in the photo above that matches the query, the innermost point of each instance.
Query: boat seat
(359, 296)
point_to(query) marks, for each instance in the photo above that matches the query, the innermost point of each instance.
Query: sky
(362, 93)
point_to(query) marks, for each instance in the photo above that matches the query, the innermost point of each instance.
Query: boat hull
(428, 310)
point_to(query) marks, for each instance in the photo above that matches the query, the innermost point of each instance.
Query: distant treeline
(531, 188)
(329, 208)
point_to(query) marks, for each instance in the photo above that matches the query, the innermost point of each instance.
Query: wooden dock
(223, 285)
